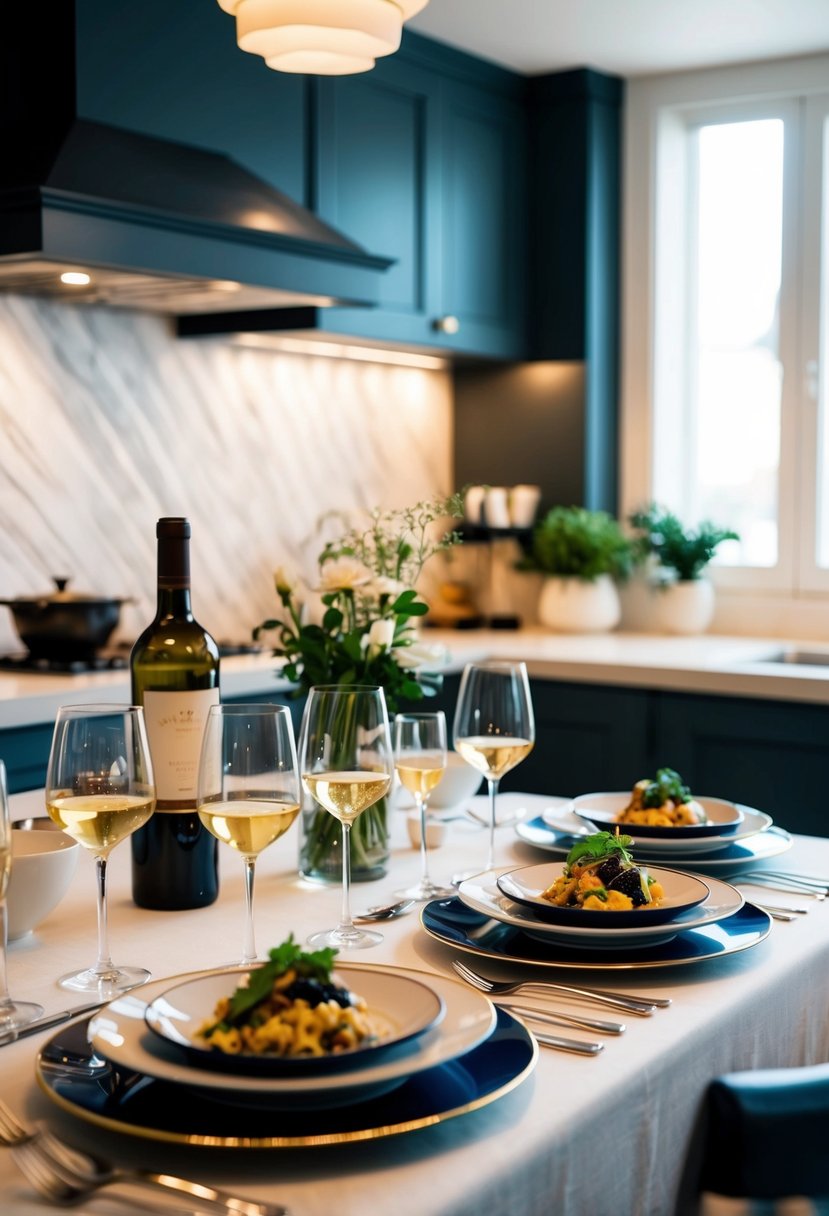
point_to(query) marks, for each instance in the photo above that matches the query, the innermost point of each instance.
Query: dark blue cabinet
(423, 161)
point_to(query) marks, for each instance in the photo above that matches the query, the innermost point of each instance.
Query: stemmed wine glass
(13, 1014)
(420, 760)
(347, 762)
(248, 786)
(100, 789)
(494, 728)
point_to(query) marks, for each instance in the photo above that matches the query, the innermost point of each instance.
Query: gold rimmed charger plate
(473, 1080)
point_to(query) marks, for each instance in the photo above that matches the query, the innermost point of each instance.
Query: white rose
(343, 574)
(380, 635)
(383, 585)
(285, 581)
(430, 655)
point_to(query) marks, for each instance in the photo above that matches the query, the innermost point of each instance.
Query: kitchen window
(726, 330)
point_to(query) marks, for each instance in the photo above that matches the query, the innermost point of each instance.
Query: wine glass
(494, 728)
(248, 786)
(100, 789)
(13, 1014)
(346, 761)
(420, 760)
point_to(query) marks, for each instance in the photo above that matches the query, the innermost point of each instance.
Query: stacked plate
(734, 839)
(515, 898)
(140, 1066)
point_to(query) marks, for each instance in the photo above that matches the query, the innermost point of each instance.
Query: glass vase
(320, 844)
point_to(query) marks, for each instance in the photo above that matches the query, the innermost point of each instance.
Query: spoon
(384, 911)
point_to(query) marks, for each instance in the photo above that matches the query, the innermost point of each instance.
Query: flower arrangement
(367, 605)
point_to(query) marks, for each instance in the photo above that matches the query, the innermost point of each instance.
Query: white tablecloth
(582, 1137)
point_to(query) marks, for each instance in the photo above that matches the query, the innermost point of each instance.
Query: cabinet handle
(447, 324)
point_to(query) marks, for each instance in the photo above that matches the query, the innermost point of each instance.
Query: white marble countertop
(708, 663)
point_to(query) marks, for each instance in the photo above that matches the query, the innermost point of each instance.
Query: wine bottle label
(175, 726)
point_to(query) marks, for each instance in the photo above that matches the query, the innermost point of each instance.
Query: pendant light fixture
(321, 37)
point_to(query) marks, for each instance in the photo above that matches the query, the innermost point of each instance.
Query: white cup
(472, 504)
(496, 507)
(523, 504)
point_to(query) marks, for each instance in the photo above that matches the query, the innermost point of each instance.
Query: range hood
(158, 225)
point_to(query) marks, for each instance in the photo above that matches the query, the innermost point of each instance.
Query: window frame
(659, 114)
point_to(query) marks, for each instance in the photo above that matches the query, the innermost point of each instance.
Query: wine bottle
(174, 668)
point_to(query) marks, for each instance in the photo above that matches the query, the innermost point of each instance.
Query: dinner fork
(65, 1175)
(644, 1007)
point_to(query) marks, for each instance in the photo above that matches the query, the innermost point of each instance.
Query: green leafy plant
(573, 542)
(662, 536)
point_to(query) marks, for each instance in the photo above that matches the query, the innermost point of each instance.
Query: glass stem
(104, 965)
(249, 946)
(346, 923)
(6, 1004)
(492, 784)
(424, 862)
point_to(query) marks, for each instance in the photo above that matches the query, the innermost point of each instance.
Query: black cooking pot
(65, 624)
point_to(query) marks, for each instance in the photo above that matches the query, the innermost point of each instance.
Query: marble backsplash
(107, 421)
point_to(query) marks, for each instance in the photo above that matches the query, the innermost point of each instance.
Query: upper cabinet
(422, 161)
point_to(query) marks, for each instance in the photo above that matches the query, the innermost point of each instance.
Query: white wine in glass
(99, 790)
(346, 762)
(248, 786)
(420, 759)
(494, 728)
(13, 1014)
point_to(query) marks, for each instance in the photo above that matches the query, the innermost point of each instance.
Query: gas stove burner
(74, 667)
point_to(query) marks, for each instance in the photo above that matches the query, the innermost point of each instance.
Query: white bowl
(43, 864)
(459, 782)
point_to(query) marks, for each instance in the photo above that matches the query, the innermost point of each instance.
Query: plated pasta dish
(290, 1007)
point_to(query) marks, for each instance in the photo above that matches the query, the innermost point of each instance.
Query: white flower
(285, 581)
(382, 585)
(343, 574)
(430, 655)
(380, 636)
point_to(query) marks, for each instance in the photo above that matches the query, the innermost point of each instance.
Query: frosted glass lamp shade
(321, 37)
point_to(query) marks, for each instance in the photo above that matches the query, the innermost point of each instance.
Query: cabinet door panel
(482, 232)
(767, 754)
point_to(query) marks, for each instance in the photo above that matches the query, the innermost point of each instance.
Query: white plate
(525, 884)
(119, 1034)
(603, 810)
(482, 895)
(400, 1008)
(562, 819)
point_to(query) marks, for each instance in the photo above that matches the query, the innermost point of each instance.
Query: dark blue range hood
(158, 225)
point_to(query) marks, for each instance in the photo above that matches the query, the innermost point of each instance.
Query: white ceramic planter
(685, 607)
(575, 605)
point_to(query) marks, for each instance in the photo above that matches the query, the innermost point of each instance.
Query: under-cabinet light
(339, 350)
(75, 278)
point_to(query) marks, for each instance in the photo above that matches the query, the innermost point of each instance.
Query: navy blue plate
(452, 922)
(100, 1093)
(737, 856)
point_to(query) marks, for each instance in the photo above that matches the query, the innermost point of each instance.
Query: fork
(618, 1000)
(779, 881)
(65, 1175)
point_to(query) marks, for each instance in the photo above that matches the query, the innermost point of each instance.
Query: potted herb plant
(580, 554)
(676, 558)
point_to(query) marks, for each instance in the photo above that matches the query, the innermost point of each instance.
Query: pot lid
(62, 595)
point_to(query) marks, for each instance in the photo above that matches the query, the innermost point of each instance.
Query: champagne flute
(420, 760)
(494, 728)
(248, 786)
(346, 761)
(13, 1014)
(100, 789)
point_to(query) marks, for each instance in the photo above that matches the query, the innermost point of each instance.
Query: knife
(44, 1023)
